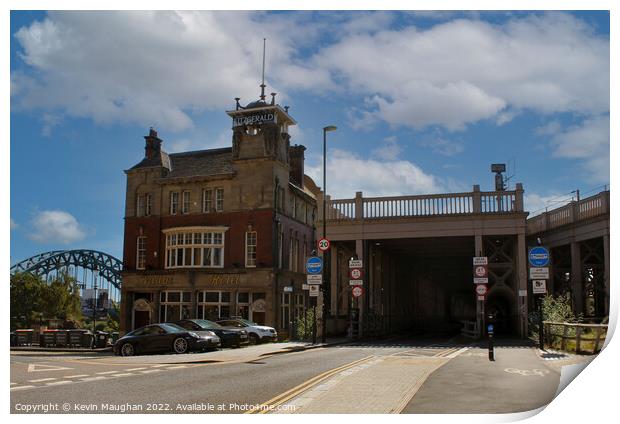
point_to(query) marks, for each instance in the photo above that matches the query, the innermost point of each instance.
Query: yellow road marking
(295, 391)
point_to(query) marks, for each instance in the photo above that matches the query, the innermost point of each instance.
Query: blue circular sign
(490, 328)
(314, 265)
(539, 256)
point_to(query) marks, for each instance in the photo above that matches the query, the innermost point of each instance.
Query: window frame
(185, 202)
(219, 199)
(248, 263)
(141, 253)
(174, 202)
(148, 204)
(181, 243)
(207, 200)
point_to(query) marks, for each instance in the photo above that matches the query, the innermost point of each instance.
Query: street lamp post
(95, 308)
(327, 255)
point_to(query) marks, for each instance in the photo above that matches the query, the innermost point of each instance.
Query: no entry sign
(481, 289)
(357, 291)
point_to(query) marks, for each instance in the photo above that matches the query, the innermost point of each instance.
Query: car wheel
(127, 350)
(254, 339)
(180, 345)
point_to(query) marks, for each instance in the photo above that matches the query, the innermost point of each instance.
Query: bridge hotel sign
(164, 281)
(254, 119)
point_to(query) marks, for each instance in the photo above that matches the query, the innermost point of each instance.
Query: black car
(159, 338)
(230, 337)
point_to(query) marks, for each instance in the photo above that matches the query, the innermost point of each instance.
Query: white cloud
(443, 146)
(14, 225)
(389, 149)
(173, 64)
(152, 68)
(56, 227)
(587, 141)
(349, 173)
(459, 72)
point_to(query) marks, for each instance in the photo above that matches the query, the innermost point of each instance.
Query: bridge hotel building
(221, 232)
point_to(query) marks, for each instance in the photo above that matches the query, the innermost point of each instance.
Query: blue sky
(424, 103)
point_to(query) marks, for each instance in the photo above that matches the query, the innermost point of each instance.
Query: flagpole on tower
(262, 86)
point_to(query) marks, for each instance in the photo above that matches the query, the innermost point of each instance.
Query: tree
(62, 299)
(32, 299)
(26, 295)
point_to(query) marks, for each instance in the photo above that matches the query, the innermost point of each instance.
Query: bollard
(491, 351)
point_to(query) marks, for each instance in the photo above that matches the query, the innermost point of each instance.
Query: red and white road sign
(480, 271)
(357, 291)
(355, 273)
(323, 245)
(481, 289)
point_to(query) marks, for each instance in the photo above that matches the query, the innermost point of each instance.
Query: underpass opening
(421, 286)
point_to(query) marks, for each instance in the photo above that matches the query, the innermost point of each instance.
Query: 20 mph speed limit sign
(323, 244)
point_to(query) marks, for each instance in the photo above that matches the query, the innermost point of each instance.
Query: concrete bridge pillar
(479, 251)
(576, 279)
(607, 270)
(359, 251)
(522, 280)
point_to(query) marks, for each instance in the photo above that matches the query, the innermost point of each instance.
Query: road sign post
(490, 334)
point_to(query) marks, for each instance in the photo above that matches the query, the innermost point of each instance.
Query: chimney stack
(296, 160)
(153, 144)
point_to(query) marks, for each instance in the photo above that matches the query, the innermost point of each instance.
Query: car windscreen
(208, 325)
(248, 322)
(172, 328)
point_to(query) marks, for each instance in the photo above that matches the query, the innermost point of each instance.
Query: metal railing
(587, 338)
(589, 207)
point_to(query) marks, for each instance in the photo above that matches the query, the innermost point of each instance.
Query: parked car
(165, 337)
(230, 337)
(257, 333)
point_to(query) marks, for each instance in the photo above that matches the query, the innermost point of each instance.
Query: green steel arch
(107, 266)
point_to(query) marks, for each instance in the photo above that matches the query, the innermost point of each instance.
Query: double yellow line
(271, 404)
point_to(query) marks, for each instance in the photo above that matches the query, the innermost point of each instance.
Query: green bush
(304, 326)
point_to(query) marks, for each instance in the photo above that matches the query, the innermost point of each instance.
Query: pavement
(388, 376)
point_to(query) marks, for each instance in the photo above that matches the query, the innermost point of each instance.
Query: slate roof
(199, 163)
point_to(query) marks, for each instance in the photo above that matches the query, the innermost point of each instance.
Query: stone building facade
(220, 232)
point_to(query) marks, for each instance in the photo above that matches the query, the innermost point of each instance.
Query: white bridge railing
(575, 211)
(475, 202)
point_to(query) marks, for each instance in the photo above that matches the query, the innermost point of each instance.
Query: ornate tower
(260, 130)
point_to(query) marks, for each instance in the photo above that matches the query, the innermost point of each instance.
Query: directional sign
(356, 282)
(288, 289)
(314, 265)
(43, 367)
(539, 256)
(490, 328)
(314, 291)
(481, 289)
(539, 273)
(357, 291)
(480, 271)
(323, 244)
(539, 286)
(355, 273)
(481, 260)
(356, 263)
(314, 279)
(484, 280)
